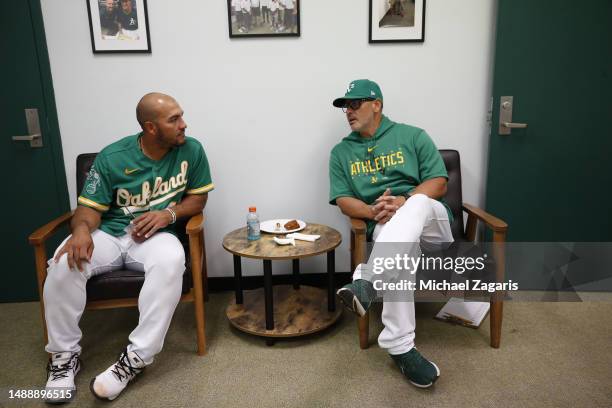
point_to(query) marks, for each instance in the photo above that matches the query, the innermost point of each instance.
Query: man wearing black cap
(392, 176)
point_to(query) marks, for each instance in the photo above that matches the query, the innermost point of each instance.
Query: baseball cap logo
(372, 93)
(350, 87)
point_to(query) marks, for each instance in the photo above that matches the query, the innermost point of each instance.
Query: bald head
(151, 105)
(161, 119)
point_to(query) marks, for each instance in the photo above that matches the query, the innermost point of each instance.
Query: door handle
(511, 125)
(505, 116)
(27, 138)
(34, 134)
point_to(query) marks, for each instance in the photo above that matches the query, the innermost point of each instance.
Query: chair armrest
(358, 242)
(358, 226)
(195, 224)
(491, 221)
(43, 233)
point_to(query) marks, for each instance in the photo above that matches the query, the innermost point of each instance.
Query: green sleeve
(338, 181)
(97, 191)
(198, 179)
(430, 162)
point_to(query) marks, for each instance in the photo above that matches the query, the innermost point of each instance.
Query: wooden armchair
(121, 288)
(461, 234)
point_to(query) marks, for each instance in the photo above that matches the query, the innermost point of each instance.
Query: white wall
(262, 107)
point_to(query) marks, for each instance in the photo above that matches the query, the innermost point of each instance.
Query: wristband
(172, 213)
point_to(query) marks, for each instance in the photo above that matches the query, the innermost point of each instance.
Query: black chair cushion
(123, 283)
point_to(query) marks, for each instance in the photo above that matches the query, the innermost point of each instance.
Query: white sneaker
(61, 370)
(111, 382)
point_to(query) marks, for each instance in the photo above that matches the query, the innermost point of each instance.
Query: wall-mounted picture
(118, 26)
(263, 18)
(397, 21)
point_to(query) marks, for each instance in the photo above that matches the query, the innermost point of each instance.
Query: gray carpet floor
(552, 355)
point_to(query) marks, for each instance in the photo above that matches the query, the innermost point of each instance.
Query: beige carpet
(552, 355)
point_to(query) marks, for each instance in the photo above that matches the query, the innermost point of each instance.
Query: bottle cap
(252, 209)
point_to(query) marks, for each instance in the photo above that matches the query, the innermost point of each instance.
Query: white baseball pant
(421, 223)
(161, 258)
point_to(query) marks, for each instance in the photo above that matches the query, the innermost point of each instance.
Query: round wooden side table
(283, 310)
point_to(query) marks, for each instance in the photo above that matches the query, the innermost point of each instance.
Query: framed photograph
(397, 21)
(118, 26)
(263, 18)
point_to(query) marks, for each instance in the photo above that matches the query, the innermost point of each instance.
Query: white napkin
(303, 237)
(284, 241)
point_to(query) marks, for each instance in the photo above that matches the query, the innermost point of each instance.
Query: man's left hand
(148, 224)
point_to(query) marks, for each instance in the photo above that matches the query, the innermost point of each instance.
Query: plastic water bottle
(253, 232)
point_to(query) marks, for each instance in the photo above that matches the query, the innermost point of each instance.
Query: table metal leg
(296, 274)
(238, 279)
(268, 294)
(331, 270)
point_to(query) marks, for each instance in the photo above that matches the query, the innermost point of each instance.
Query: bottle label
(253, 232)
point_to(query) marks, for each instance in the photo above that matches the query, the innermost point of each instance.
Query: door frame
(50, 124)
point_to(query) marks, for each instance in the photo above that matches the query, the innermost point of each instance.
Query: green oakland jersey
(123, 180)
(398, 157)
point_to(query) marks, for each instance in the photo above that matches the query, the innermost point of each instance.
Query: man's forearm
(355, 208)
(433, 188)
(85, 218)
(191, 205)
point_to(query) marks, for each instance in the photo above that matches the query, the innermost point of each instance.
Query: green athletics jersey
(123, 178)
(398, 156)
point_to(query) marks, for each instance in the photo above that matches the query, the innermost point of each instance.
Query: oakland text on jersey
(165, 188)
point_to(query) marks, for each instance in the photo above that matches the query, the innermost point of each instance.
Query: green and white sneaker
(357, 296)
(420, 372)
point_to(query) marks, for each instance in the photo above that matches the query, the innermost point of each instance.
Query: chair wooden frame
(475, 214)
(197, 252)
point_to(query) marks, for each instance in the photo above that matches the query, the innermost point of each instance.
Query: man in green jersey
(392, 176)
(136, 188)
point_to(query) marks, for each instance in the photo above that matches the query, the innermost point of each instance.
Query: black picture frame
(108, 36)
(393, 25)
(288, 28)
